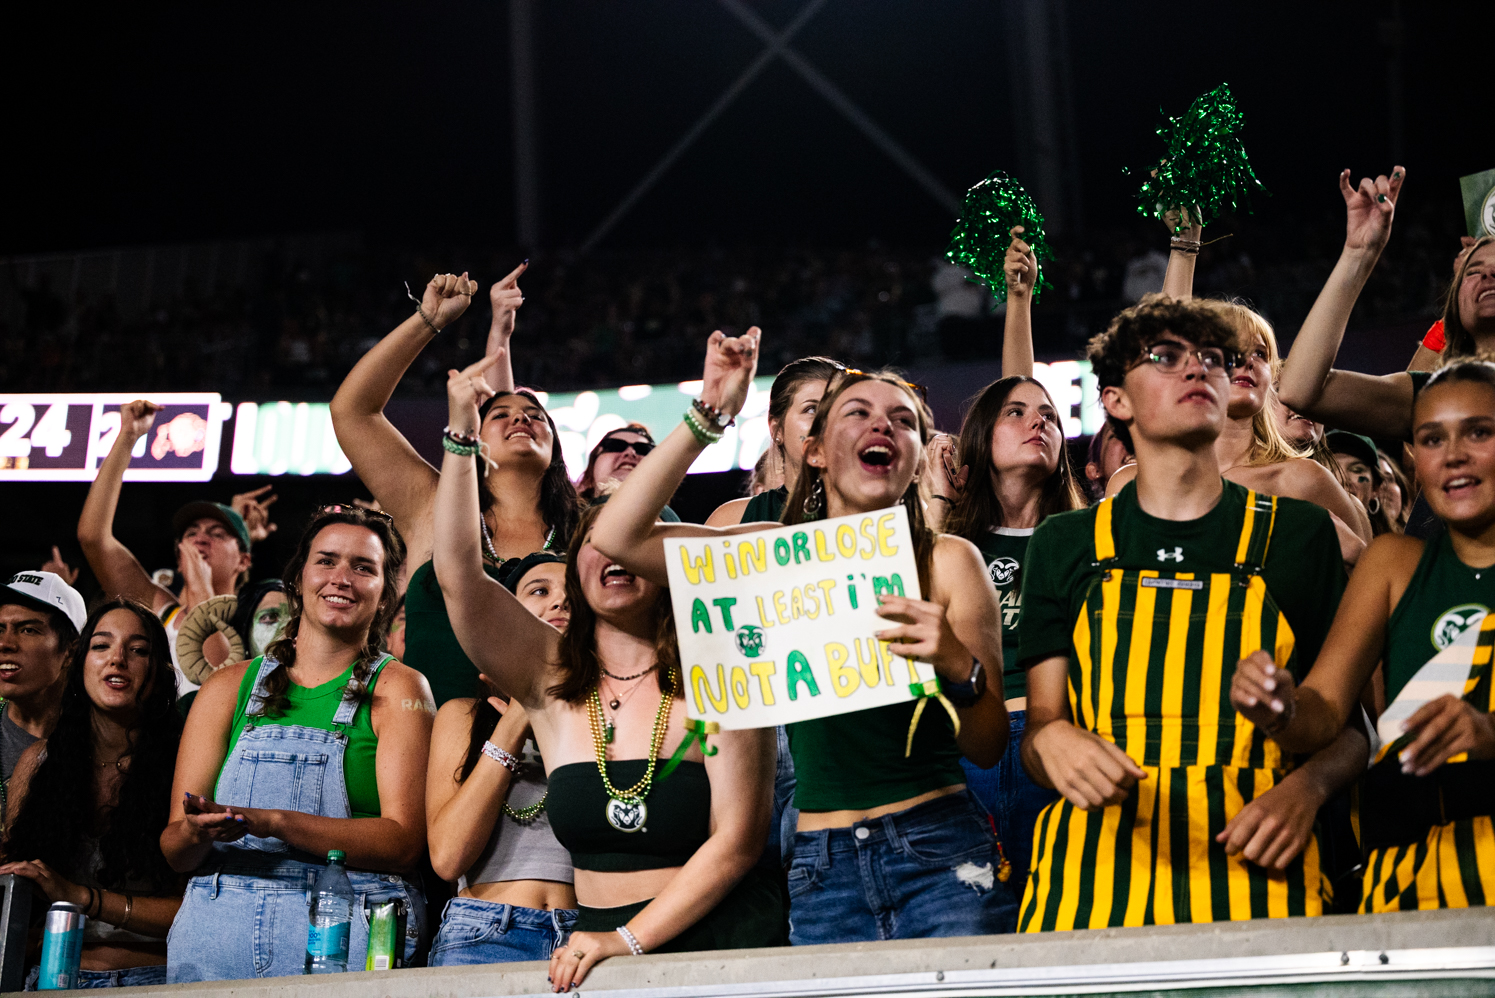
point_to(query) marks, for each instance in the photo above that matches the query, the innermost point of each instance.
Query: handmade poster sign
(1452, 672)
(779, 625)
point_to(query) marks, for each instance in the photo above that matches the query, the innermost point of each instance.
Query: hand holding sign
(783, 625)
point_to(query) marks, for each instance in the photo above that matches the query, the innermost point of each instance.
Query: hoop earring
(814, 500)
(1374, 506)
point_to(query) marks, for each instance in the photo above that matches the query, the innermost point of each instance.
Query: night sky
(165, 121)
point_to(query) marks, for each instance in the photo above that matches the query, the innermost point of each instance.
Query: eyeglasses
(920, 390)
(1170, 358)
(617, 445)
(341, 507)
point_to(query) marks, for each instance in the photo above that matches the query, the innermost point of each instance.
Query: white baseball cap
(47, 591)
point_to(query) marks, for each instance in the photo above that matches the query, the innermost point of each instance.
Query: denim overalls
(245, 911)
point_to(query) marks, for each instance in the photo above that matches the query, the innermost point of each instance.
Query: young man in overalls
(1135, 613)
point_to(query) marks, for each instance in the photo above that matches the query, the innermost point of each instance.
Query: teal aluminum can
(386, 935)
(62, 947)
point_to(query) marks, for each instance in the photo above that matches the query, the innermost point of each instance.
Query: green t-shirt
(1303, 570)
(314, 707)
(1003, 550)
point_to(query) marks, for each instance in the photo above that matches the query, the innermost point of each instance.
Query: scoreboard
(64, 438)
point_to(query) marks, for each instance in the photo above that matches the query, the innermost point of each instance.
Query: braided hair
(278, 683)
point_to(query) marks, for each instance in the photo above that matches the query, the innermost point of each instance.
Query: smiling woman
(320, 744)
(92, 797)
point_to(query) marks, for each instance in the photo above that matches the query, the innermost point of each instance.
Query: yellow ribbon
(926, 691)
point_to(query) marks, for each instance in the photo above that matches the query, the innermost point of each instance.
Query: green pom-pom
(1204, 164)
(981, 237)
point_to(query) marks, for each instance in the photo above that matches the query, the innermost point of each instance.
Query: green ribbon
(696, 730)
(926, 691)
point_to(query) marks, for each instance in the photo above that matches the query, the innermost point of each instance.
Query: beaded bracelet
(631, 940)
(508, 760)
(704, 434)
(460, 437)
(712, 414)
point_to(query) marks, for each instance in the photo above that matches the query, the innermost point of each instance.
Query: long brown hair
(977, 510)
(1458, 341)
(284, 650)
(809, 476)
(577, 654)
(559, 503)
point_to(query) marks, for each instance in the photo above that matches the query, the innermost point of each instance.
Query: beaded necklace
(493, 552)
(625, 809)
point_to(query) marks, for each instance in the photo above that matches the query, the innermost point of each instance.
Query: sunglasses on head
(345, 507)
(617, 445)
(920, 390)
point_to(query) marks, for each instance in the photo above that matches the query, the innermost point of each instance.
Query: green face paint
(269, 621)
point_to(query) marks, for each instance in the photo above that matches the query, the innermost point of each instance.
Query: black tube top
(674, 822)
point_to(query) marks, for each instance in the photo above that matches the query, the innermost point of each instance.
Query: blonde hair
(1268, 445)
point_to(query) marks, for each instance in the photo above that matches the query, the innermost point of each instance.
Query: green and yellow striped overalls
(1154, 653)
(1430, 841)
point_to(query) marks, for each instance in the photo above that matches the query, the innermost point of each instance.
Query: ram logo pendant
(626, 816)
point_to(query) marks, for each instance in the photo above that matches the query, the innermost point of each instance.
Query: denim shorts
(133, 977)
(239, 925)
(927, 871)
(474, 931)
(1014, 800)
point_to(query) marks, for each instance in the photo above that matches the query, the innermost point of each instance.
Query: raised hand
(135, 418)
(197, 575)
(466, 391)
(60, 568)
(446, 297)
(1183, 223)
(1263, 691)
(947, 474)
(512, 727)
(1369, 209)
(731, 362)
(1020, 266)
(254, 507)
(1089, 771)
(506, 298)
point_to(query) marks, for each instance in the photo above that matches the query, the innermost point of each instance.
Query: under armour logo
(1176, 555)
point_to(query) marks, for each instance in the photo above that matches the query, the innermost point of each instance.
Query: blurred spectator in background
(40, 616)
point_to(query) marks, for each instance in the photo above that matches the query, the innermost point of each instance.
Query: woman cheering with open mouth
(890, 843)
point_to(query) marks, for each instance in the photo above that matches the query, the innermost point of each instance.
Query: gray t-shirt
(14, 740)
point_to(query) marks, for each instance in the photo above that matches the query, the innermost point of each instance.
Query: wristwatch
(967, 693)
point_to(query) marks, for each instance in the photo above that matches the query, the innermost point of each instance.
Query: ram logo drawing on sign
(781, 625)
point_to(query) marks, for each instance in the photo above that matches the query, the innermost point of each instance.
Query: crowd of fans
(620, 317)
(1160, 676)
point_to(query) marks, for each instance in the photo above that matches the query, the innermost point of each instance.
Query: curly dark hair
(1116, 351)
(560, 506)
(976, 510)
(59, 815)
(283, 651)
(578, 648)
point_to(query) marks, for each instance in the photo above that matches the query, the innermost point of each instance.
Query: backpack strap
(1256, 532)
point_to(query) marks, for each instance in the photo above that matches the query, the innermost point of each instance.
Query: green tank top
(1444, 597)
(766, 507)
(430, 646)
(854, 761)
(314, 708)
(1003, 550)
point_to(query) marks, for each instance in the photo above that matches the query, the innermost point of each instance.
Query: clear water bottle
(331, 919)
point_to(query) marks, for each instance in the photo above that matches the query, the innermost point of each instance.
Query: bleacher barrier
(1431, 953)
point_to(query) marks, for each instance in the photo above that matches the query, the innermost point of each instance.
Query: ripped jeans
(927, 871)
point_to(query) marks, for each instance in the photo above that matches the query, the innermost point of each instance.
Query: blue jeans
(235, 925)
(927, 871)
(133, 977)
(1013, 799)
(474, 931)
